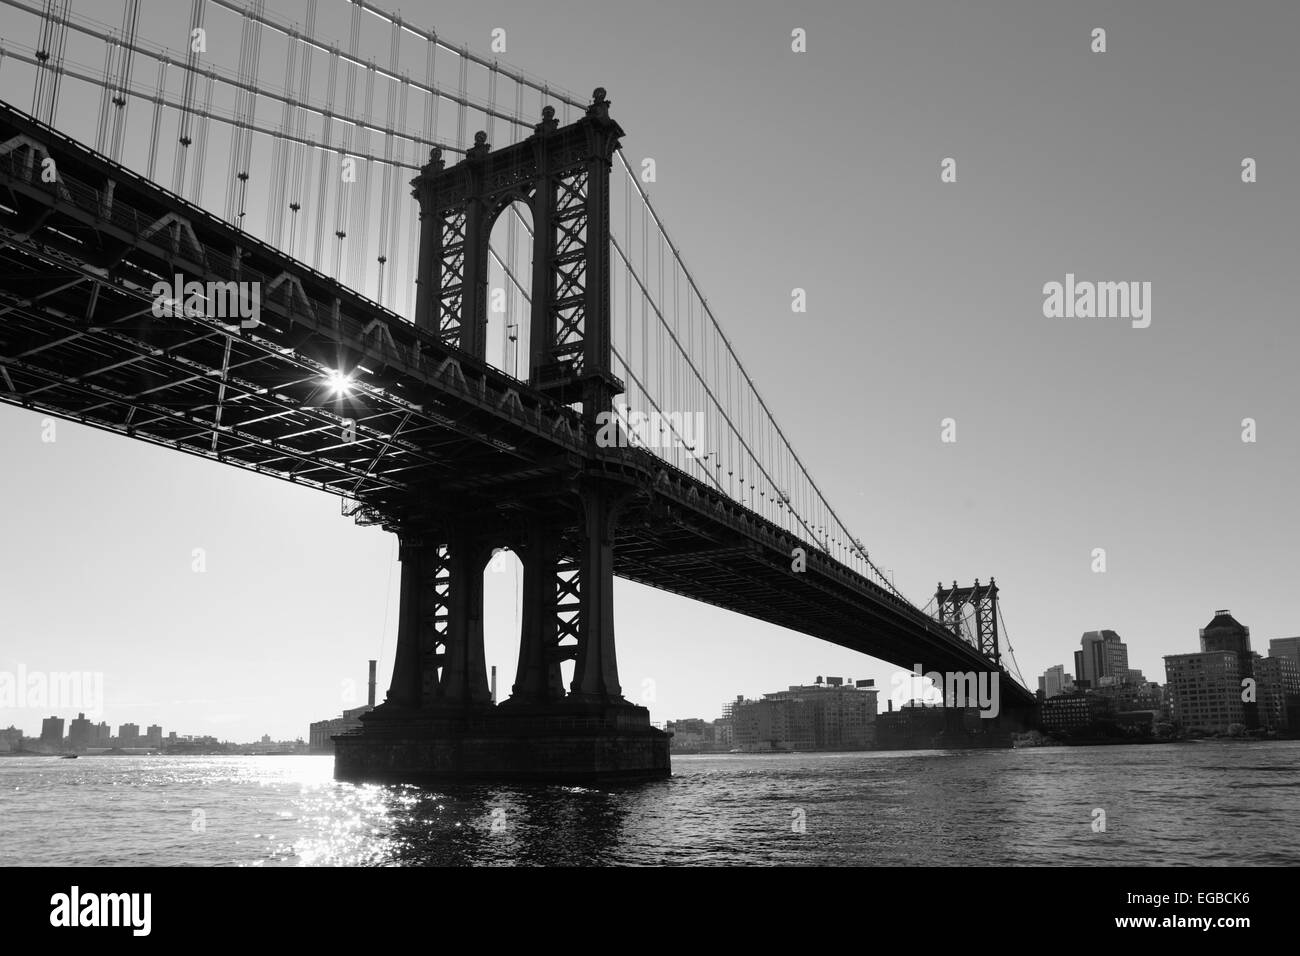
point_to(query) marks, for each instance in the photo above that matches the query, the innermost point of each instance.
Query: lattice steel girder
(310, 324)
(190, 409)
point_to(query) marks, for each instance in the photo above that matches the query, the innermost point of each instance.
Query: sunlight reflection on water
(1206, 803)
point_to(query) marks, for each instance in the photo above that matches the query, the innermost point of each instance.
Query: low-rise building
(830, 715)
(1065, 713)
(320, 732)
(691, 735)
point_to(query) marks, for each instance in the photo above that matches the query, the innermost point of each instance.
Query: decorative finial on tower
(480, 147)
(436, 163)
(599, 108)
(549, 123)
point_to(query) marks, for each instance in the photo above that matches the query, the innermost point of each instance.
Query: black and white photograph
(503, 436)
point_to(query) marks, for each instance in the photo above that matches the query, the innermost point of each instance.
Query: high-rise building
(1225, 633)
(52, 731)
(128, 735)
(1277, 692)
(1055, 682)
(1285, 647)
(101, 734)
(1102, 658)
(80, 733)
(1204, 691)
(153, 736)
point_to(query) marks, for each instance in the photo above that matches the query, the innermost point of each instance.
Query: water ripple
(1209, 803)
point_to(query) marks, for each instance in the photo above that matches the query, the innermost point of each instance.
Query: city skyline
(1284, 646)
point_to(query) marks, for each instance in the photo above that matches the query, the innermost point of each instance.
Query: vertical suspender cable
(187, 99)
(125, 62)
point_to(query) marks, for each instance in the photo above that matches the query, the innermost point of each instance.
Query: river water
(1202, 803)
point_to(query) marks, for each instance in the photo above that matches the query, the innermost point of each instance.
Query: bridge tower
(561, 525)
(562, 175)
(949, 603)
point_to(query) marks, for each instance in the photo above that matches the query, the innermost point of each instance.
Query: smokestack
(371, 701)
(494, 683)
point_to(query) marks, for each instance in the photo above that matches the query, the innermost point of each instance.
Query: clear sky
(818, 170)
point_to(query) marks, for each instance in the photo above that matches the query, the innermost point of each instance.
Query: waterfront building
(1205, 691)
(320, 732)
(920, 726)
(1226, 633)
(830, 715)
(1069, 713)
(1277, 693)
(80, 733)
(722, 736)
(690, 735)
(52, 731)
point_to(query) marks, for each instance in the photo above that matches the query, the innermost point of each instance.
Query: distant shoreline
(162, 753)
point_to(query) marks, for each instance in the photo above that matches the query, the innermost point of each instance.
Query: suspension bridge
(405, 274)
